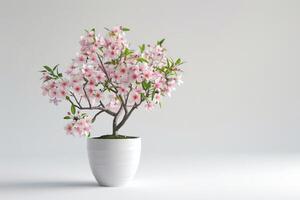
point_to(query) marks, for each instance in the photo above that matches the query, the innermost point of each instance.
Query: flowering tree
(107, 76)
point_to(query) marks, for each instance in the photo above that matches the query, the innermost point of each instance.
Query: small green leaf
(54, 68)
(142, 48)
(146, 85)
(178, 61)
(160, 42)
(73, 109)
(127, 52)
(67, 117)
(125, 29)
(48, 68)
(152, 95)
(67, 97)
(142, 96)
(142, 60)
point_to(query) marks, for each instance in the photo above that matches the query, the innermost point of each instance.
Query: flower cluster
(109, 76)
(80, 123)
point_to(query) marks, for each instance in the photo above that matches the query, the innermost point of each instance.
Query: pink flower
(81, 58)
(77, 89)
(149, 106)
(147, 75)
(53, 93)
(122, 90)
(45, 90)
(64, 83)
(136, 97)
(55, 101)
(134, 76)
(92, 82)
(69, 128)
(98, 95)
(100, 76)
(123, 70)
(62, 93)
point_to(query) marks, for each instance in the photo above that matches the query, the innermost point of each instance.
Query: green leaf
(146, 85)
(125, 29)
(142, 48)
(127, 52)
(178, 61)
(152, 95)
(67, 117)
(160, 42)
(142, 96)
(168, 63)
(55, 68)
(142, 60)
(73, 109)
(67, 97)
(48, 68)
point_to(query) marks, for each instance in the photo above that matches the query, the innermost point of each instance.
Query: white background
(231, 130)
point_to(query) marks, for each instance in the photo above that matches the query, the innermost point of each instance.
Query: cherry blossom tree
(108, 76)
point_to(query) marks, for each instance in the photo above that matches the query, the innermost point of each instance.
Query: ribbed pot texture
(114, 162)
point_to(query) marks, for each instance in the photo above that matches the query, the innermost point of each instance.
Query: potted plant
(107, 76)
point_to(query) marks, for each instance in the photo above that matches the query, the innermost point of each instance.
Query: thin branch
(101, 104)
(128, 115)
(98, 108)
(98, 113)
(73, 95)
(86, 96)
(102, 67)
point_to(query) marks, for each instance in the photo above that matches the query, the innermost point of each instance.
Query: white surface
(205, 177)
(114, 162)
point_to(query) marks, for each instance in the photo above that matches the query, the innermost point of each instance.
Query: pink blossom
(53, 93)
(149, 106)
(62, 93)
(45, 90)
(69, 128)
(64, 83)
(136, 97)
(122, 90)
(55, 101)
(98, 95)
(77, 88)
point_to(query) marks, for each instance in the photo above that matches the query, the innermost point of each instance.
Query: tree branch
(98, 113)
(126, 116)
(86, 96)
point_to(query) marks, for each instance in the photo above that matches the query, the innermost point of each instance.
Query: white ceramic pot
(114, 162)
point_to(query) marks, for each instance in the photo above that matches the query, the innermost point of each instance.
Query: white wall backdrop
(241, 90)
